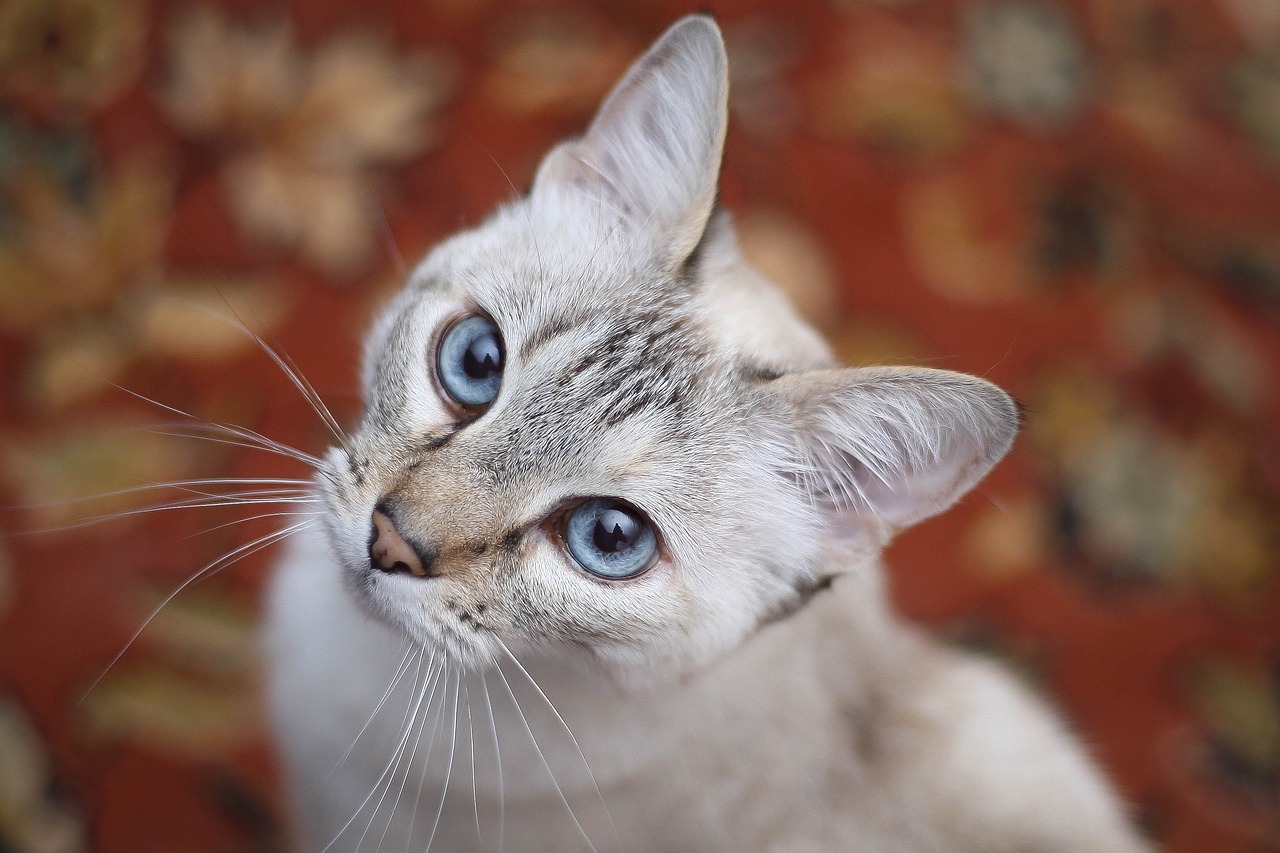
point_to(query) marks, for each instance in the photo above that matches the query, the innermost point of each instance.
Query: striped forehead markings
(649, 361)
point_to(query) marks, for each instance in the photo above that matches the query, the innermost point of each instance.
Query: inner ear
(651, 157)
(888, 447)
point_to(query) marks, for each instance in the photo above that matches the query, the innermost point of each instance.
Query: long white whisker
(304, 492)
(408, 765)
(188, 503)
(497, 753)
(409, 723)
(214, 431)
(545, 765)
(386, 694)
(172, 484)
(426, 763)
(533, 234)
(569, 732)
(411, 707)
(267, 446)
(286, 365)
(242, 432)
(471, 751)
(402, 269)
(258, 517)
(214, 567)
(299, 381)
(448, 772)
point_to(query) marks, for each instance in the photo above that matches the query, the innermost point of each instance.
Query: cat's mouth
(434, 619)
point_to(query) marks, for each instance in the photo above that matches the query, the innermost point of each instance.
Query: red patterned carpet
(1078, 200)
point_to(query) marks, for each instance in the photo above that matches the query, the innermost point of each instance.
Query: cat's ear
(887, 447)
(652, 154)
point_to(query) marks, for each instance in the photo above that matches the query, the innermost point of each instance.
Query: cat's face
(593, 431)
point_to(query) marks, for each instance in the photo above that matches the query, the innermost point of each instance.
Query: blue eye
(469, 361)
(610, 539)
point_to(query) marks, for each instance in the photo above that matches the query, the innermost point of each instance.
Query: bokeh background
(1074, 198)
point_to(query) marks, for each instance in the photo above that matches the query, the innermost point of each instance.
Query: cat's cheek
(609, 615)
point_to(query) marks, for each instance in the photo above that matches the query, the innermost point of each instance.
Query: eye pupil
(616, 530)
(483, 357)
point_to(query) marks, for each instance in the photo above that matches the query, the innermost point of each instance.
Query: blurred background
(1077, 199)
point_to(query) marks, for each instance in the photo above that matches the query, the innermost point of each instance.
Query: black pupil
(483, 357)
(616, 530)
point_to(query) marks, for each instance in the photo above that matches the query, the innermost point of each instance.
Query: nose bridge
(435, 520)
(446, 498)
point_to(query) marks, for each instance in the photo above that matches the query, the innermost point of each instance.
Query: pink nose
(389, 552)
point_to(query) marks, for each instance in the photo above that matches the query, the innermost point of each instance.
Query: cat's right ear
(651, 157)
(885, 447)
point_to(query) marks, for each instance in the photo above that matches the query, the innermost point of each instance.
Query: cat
(599, 569)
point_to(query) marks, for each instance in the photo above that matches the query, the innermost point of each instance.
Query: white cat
(604, 468)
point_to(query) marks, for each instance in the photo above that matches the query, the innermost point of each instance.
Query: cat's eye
(469, 361)
(610, 539)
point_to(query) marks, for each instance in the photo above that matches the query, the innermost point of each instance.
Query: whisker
(265, 446)
(171, 484)
(249, 439)
(243, 432)
(409, 722)
(541, 757)
(286, 364)
(395, 679)
(285, 491)
(533, 234)
(569, 732)
(497, 753)
(282, 361)
(408, 765)
(228, 559)
(426, 766)
(448, 772)
(471, 750)
(187, 503)
(257, 517)
(389, 240)
(410, 707)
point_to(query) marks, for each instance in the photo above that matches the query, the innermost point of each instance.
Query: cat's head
(592, 430)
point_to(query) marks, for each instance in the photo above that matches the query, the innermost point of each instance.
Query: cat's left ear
(652, 154)
(889, 446)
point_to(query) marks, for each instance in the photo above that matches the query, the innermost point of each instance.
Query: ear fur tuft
(891, 446)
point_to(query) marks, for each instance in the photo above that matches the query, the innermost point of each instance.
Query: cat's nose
(390, 552)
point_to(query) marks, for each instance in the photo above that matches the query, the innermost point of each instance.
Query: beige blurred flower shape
(1150, 502)
(892, 88)
(561, 61)
(68, 255)
(83, 282)
(191, 690)
(308, 133)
